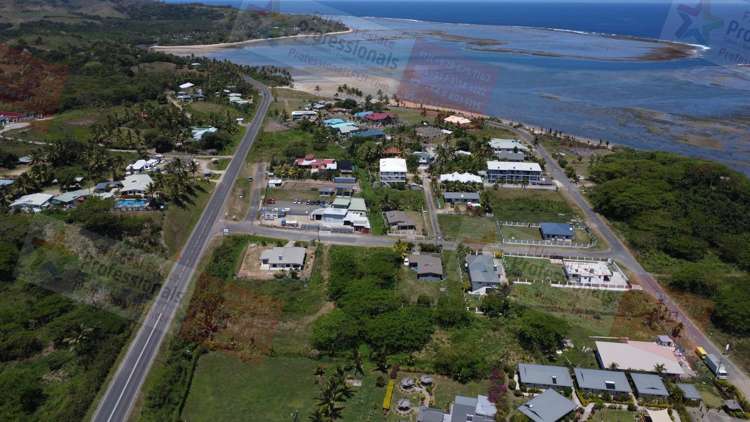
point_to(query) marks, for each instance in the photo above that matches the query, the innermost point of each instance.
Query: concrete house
(392, 170)
(598, 381)
(649, 386)
(556, 231)
(587, 272)
(428, 266)
(549, 406)
(399, 221)
(512, 172)
(483, 272)
(544, 376)
(283, 258)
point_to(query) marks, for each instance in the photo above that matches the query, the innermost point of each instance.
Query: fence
(545, 243)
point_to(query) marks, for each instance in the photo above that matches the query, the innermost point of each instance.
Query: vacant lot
(533, 206)
(464, 228)
(179, 220)
(533, 269)
(612, 415)
(225, 388)
(290, 144)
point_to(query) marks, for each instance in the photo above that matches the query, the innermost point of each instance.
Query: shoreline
(207, 48)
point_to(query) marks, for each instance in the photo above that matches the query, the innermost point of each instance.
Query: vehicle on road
(716, 366)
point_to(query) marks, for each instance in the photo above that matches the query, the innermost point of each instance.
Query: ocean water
(554, 65)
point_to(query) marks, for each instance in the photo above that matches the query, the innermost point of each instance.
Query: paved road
(430, 202)
(622, 254)
(122, 392)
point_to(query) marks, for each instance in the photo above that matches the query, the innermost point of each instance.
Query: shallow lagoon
(629, 91)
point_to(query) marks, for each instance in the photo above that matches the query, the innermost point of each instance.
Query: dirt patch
(251, 323)
(274, 126)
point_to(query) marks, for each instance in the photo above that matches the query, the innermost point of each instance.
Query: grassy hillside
(151, 22)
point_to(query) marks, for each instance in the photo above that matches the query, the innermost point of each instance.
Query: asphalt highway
(122, 391)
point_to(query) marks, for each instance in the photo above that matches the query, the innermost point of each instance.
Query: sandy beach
(207, 48)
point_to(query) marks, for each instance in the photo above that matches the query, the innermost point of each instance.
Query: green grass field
(533, 206)
(533, 269)
(70, 124)
(274, 144)
(224, 388)
(411, 288)
(613, 415)
(464, 228)
(520, 233)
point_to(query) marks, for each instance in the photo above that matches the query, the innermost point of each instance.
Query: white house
(136, 185)
(199, 132)
(286, 258)
(303, 114)
(457, 120)
(460, 177)
(513, 172)
(34, 202)
(507, 145)
(393, 170)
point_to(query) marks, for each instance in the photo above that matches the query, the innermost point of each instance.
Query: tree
(542, 332)
(335, 331)
(451, 310)
(659, 368)
(732, 310)
(495, 304)
(8, 259)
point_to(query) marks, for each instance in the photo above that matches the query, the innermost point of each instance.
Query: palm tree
(193, 167)
(660, 368)
(317, 416)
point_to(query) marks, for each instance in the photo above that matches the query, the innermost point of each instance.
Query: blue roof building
(369, 133)
(556, 231)
(331, 122)
(362, 114)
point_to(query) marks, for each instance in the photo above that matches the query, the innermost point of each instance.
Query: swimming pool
(131, 204)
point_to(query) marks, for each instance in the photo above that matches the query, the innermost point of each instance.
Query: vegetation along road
(621, 253)
(122, 391)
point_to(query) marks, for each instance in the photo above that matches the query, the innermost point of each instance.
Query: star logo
(698, 22)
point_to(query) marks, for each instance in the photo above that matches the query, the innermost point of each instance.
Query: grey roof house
(428, 414)
(398, 220)
(648, 385)
(549, 406)
(689, 392)
(470, 409)
(482, 271)
(286, 258)
(510, 155)
(601, 381)
(556, 231)
(544, 376)
(427, 266)
(461, 197)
